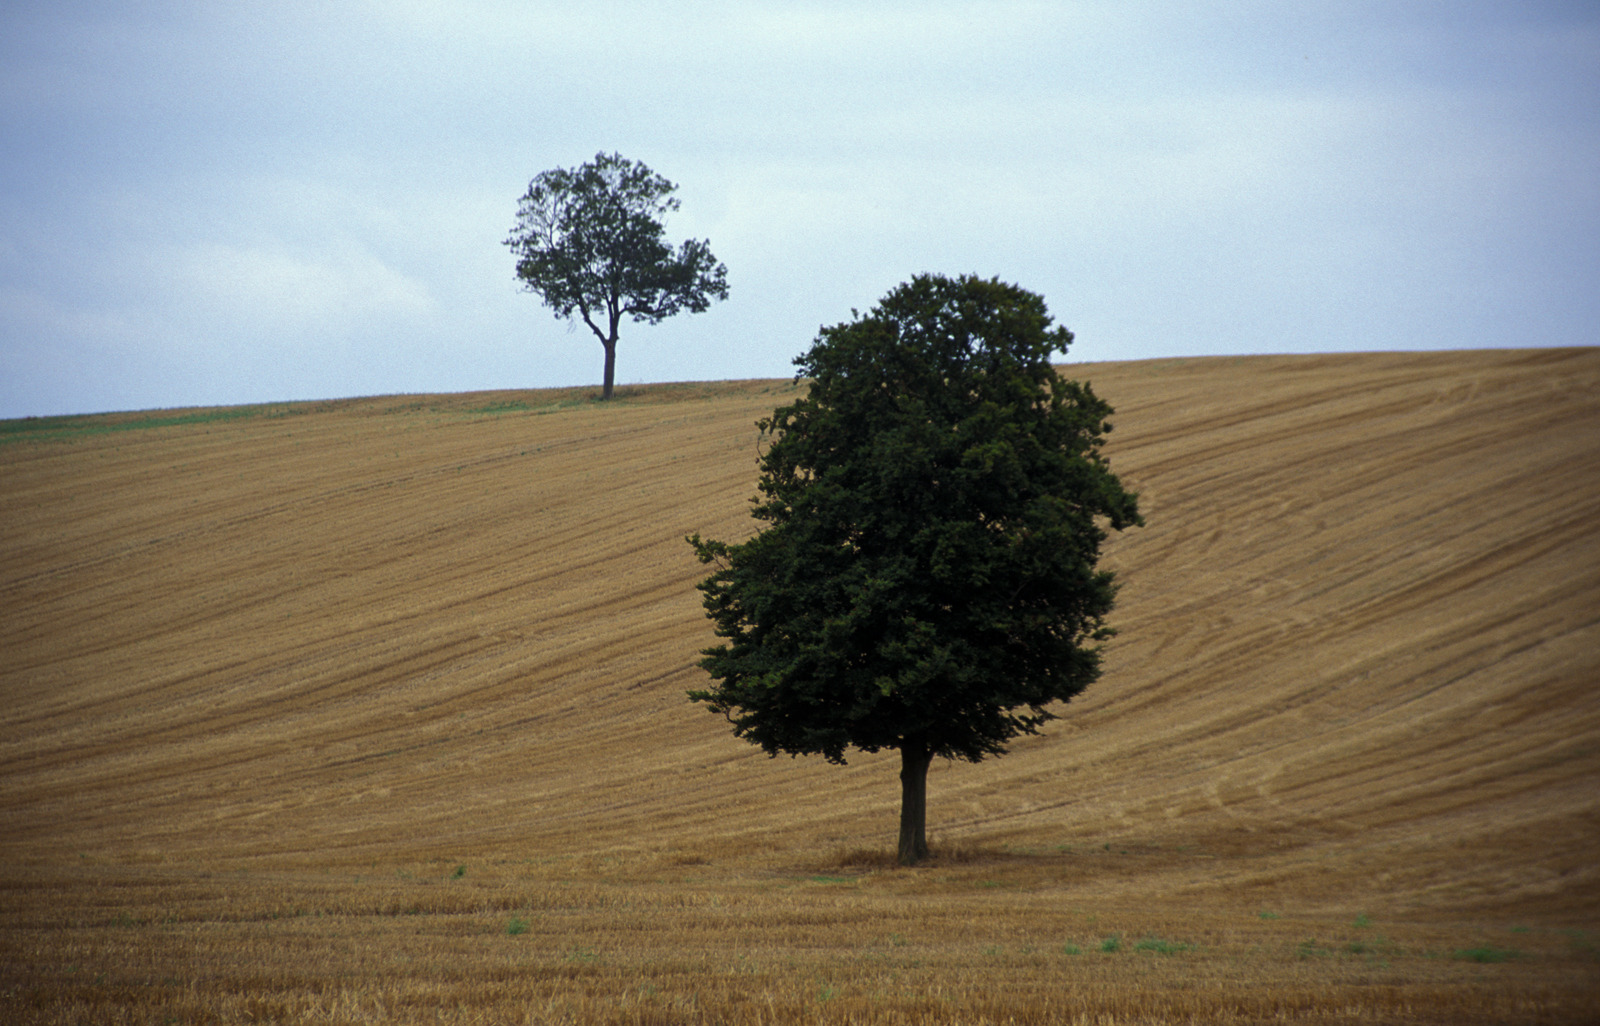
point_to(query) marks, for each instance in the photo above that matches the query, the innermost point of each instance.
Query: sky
(221, 203)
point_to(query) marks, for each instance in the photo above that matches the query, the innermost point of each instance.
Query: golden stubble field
(373, 711)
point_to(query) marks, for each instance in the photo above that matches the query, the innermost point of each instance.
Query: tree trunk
(914, 760)
(611, 369)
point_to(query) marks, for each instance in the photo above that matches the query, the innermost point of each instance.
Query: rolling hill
(1357, 665)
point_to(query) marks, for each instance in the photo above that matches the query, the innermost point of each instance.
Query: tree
(590, 240)
(927, 577)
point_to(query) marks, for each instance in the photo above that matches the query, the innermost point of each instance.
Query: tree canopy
(590, 240)
(927, 577)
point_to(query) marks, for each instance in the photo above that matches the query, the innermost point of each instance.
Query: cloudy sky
(207, 203)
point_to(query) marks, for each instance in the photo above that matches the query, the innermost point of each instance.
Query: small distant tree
(927, 578)
(590, 240)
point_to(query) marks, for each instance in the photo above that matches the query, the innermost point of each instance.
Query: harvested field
(373, 711)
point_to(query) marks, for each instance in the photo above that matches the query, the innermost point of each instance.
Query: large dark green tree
(927, 577)
(590, 241)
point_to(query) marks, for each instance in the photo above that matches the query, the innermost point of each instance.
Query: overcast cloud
(228, 203)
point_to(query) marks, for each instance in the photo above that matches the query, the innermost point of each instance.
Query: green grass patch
(1112, 944)
(1485, 954)
(509, 406)
(536, 406)
(1378, 947)
(517, 926)
(55, 429)
(1311, 949)
(1161, 946)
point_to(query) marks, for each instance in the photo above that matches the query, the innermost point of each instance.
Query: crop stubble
(269, 678)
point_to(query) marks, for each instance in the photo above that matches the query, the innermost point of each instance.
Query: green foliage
(934, 506)
(1112, 944)
(516, 926)
(590, 241)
